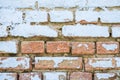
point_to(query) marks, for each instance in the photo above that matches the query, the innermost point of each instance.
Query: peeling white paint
(116, 31)
(8, 76)
(35, 77)
(85, 45)
(117, 62)
(110, 46)
(3, 32)
(104, 75)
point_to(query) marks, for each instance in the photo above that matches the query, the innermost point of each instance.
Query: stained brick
(58, 63)
(55, 76)
(58, 47)
(80, 76)
(8, 76)
(107, 47)
(83, 48)
(32, 47)
(15, 63)
(30, 76)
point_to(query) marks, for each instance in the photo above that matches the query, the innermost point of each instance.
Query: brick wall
(59, 40)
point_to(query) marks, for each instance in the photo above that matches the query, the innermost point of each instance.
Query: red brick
(105, 76)
(83, 48)
(30, 76)
(58, 47)
(15, 63)
(80, 76)
(102, 63)
(58, 63)
(32, 47)
(107, 47)
(8, 76)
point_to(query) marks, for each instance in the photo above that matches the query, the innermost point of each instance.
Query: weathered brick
(102, 63)
(83, 48)
(85, 31)
(58, 47)
(3, 32)
(26, 30)
(8, 46)
(80, 76)
(36, 16)
(92, 16)
(32, 47)
(10, 16)
(58, 63)
(107, 47)
(60, 16)
(105, 76)
(30, 76)
(8, 76)
(17, 3)
(54, 76)
(116, 31)
(15, 63)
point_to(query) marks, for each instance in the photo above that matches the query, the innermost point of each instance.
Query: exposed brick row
(58, 76)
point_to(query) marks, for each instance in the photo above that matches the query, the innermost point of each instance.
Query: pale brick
(107, 47)
(26, 30)
(83, 48)
(61, 16)
(102, 63)
(61, 3)
(105, 76)
(3, 32)
(15, 63)
(116, 31)
(58, 47)
(36, 16)
(30, 76)
(8, 76)
(85, 31)
(17, 3)
(80, 76)
(92, 16)
(54, 76)
(8, 46)
(32, 47)
(58, 63)
(10, 16)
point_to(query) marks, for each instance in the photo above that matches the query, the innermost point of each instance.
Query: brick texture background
(59, 39)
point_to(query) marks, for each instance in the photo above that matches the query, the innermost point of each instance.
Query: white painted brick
(102, 3)
(105, 76)
(36, 16)
(85, 31)
(115, 31)
(26, 30)
(61, 3)
(3, 32)
(61, 16)
(17, 3)
(8, 46)
(92, 16)
(55, 76)
(8, 76)
(15, 63)
(10, 16)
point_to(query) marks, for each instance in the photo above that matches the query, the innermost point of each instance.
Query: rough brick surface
(30, 76)
(101, 63)
(8, 46)
(80, 76)
(60, 16)
(58, 62)
(107, 47)
(15, 63)
(83, 48)
(8, 76)
(105, 76)
(58, 47)
(32, 47)
(85, 31)
(55, 76)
